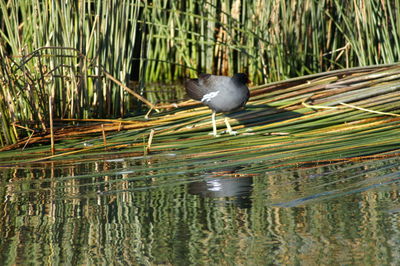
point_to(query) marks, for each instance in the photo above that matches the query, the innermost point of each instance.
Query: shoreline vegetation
(345, 114)
(83, 61)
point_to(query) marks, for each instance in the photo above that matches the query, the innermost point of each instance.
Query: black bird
(220, 94)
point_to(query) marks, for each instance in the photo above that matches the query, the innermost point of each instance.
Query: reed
(51, 48)
(320, 118)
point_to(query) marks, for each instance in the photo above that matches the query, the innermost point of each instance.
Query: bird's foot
(215, 135)
(232, 132)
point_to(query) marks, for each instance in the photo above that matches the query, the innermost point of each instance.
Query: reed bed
(77, 58)
(321, 118)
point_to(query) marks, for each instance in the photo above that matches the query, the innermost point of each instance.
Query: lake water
(154, 211)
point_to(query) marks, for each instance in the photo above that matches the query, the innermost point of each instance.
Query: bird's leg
(214, 123)
(229, 128)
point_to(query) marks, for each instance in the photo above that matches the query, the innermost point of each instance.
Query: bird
(220, 94)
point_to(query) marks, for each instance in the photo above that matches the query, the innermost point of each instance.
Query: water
(138, 210)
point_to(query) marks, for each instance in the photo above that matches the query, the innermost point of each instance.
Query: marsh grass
(327, 117)
(63, 49)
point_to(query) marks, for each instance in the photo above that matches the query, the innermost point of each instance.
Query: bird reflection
(227, 185)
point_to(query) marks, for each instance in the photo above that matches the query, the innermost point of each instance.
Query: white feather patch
(207, 97)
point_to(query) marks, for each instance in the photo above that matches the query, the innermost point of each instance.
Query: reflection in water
(229, 189)
(147, 211)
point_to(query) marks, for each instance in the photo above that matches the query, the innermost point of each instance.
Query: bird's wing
(193, 89)
(197, 88)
